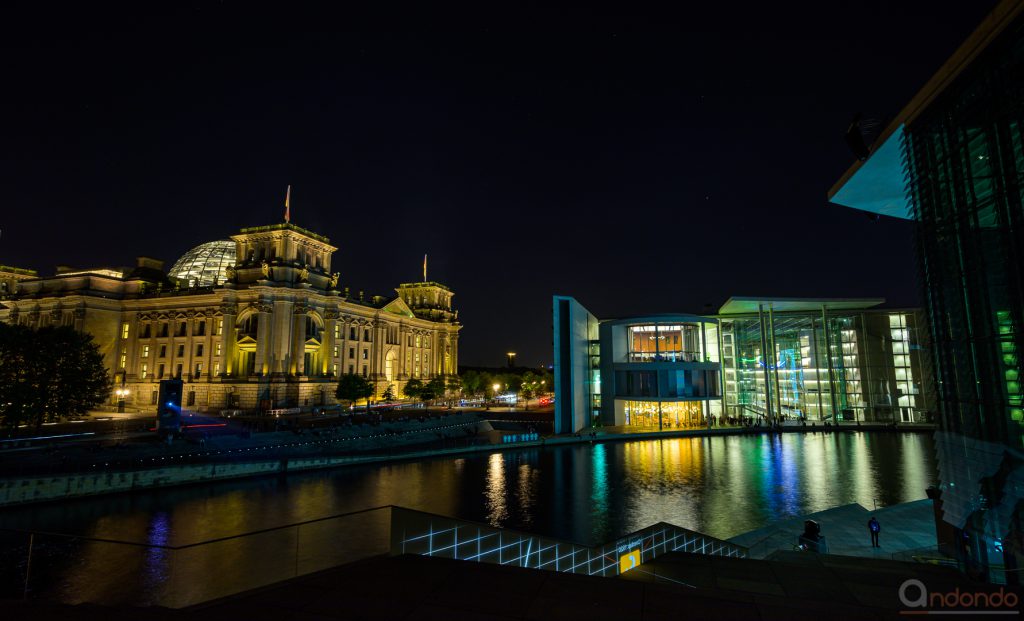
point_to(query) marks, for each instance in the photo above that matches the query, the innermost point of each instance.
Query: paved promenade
(906, 526)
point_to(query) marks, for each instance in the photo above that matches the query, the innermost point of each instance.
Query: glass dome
(205, 265)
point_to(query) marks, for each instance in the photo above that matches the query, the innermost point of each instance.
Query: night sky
(640, 163)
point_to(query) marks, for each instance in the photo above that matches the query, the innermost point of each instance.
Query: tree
(471, 382)
(389, 393)
(48, 374)
(352, 387)
(413, 388)
(528, 386)
(453, 385)
(432, 389)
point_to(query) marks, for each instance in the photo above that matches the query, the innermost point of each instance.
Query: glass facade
(825, 366)
(665, 415)
(963, 157)
(205, 265)
(659, 372)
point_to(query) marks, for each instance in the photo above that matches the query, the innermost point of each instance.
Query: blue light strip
(433, 535)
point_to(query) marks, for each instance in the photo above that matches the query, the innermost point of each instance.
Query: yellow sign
(629, 560)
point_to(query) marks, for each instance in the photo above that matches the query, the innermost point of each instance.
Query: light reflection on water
(720, 486)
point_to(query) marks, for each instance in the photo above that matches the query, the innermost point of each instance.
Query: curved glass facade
(205, 265)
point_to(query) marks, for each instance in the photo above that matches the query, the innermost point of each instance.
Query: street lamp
(121, 394)
(511, 359)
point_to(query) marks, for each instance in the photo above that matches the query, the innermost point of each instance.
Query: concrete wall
(574, 327)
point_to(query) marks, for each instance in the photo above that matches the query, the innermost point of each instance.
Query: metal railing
(665, 356)
(416, 532)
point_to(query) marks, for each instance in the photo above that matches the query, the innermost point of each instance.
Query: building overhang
(747, 305)
(877, 184)
(659, 319)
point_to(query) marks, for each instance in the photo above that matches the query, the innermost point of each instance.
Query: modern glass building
(953, 161)
(764, 360)
(824, 360)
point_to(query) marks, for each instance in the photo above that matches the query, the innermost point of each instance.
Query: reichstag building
(255, 322)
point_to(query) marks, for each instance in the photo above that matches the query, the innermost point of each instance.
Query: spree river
(721, 486)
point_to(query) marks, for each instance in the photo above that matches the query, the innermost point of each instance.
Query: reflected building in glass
(952, 161)
(765, 360)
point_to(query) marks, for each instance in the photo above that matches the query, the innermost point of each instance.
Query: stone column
(281, 347)
(403, 340)
(298, 345)
(264, 332)
(228, 340)
(330, 321)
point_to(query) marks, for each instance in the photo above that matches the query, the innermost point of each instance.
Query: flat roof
(871, 185)
(739, 305)
(661, 318)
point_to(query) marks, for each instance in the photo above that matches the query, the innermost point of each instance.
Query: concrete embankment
(44, 488)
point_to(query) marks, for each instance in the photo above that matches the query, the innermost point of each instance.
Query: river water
(720, 486)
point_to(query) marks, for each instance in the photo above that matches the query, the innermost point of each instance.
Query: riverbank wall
(50, 488)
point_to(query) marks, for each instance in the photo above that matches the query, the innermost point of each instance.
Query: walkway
(906, 526)
(675, 586)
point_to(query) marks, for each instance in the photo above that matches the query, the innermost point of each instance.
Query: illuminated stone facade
(276, 334)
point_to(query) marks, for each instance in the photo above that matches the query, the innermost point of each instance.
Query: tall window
(145, 351)
(199, 349)
(220, 327)
(144, 371)
(124, 330)
(352, 334)
(181, 350)
(366, 335)
(202, 328)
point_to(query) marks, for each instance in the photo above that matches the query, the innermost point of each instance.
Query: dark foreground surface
(676, 586)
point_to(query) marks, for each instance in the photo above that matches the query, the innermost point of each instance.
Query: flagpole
(287, 207)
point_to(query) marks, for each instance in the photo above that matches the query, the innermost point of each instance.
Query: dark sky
(641, 163)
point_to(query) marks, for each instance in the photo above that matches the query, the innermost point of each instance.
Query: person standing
(874, 527)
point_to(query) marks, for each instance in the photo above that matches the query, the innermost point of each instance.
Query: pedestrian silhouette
(874, 527)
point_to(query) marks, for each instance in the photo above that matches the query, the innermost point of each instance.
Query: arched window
(313, 328)
(249, 326)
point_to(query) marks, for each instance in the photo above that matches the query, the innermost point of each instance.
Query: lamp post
(511, 359)
(121, 394)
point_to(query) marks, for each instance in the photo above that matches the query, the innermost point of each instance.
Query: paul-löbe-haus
(759, 359)
(259, 321)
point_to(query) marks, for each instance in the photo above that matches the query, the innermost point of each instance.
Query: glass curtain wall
(964, 161)
(813, 375)
(672, 414)
(669, 342)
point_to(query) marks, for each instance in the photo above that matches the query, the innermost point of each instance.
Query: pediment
(398, 306)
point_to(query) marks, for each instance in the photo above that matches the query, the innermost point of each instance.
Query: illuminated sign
(629, 560)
